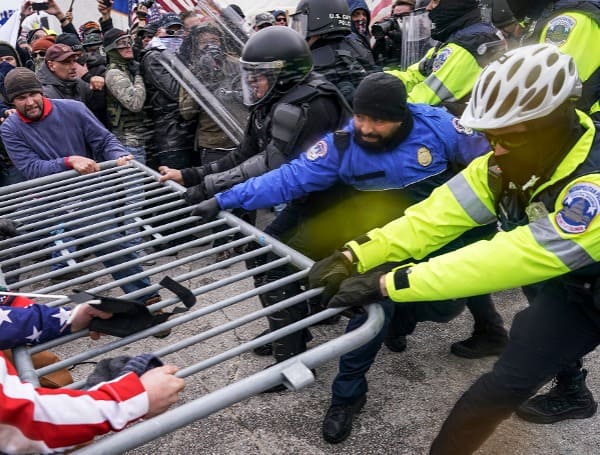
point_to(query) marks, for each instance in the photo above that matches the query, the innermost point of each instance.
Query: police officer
(448, 71)
(406, 150)
(572, 26)
(340, 57)
(445, 77)
(291, 107)
(542, 183)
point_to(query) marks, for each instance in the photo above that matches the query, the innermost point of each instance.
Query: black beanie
(21, 80)
(446, 13)
(7, 49)
(381, 96)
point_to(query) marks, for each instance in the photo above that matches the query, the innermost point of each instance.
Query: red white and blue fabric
(38, 420)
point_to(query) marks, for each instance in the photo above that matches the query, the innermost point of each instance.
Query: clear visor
(299, 22)
(258, 79)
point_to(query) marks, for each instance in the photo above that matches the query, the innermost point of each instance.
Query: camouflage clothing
(124, 104)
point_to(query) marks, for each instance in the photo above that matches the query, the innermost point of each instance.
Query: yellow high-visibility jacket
(567, 238)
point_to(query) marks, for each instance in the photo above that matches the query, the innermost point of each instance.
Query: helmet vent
(559, 81)
(493, 96)
(533, 76)
(537, 100)
(514, 68)
(508, 102)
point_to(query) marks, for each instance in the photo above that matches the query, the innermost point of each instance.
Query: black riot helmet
(528, 9)
(321, 17)
(274, 60)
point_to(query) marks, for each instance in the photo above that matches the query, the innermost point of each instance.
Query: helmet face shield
(259, 80)
(299, 23)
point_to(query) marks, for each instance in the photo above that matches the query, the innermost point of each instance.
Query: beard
(384, 143)
(34, 112)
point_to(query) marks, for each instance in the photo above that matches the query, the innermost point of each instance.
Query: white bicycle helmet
(524, 84)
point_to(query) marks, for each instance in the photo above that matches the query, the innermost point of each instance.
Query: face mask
(214, 51)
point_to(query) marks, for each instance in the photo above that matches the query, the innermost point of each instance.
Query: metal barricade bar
(113, 214)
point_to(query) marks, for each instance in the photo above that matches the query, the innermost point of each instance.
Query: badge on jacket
(559, 29)
(317, 151)
(580, 206)
(424, 157)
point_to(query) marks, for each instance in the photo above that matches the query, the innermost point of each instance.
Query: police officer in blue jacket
(391, 155)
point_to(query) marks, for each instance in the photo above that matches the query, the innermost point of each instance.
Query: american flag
(158, 8)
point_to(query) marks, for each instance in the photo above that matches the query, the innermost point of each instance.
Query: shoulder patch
(424, 157)
(580, 206)
(460, 128)
(441, 58)
(559, 29)
(317, 151)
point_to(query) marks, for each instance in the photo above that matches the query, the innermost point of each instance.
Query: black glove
(207, 210)
(8, 229)
(358, 290)
(133, 67)
(330, 272)
(195, 194)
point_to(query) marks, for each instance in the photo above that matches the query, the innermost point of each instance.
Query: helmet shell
(524, 84)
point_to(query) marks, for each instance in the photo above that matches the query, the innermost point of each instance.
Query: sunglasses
(39, 54)
(509, 141)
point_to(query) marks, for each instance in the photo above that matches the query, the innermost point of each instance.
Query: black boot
(395, 343)
(266, 349)
(337, 424)
(569, 398)
(482, 343)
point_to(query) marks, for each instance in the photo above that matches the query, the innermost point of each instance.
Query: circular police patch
(580, 206)
(441, 58)
(316, 151)
(559, 29)
(460, 128)
(424, 156)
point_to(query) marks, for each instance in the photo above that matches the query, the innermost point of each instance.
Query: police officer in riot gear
(342, 59)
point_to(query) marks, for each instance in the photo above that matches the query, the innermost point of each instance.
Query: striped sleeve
(52, 420)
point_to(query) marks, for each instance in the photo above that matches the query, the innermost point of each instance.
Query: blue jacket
(436, 146)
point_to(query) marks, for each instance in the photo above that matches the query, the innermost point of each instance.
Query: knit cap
(381, 96)
(21, 80)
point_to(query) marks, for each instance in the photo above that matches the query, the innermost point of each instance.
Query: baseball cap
(59, 53)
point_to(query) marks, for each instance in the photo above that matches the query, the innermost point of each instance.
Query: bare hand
(170, 174)
(123, 160)
(96, 83)
(82, 315)
(83, 165)
(53, 8)
(104, 10)
(163, 388)
(26, 9)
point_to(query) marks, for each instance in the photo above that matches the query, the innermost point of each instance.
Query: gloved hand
(8, 229)
(330, 272)
(358, 290)
(207, 210)
(195, 194)
(133, 67)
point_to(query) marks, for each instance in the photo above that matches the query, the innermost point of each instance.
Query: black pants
(560, 326)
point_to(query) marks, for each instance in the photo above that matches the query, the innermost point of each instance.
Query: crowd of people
(468, 167)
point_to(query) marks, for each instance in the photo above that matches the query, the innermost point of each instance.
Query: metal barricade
(82, 226)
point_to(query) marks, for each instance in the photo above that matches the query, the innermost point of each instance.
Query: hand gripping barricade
(85, 218)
